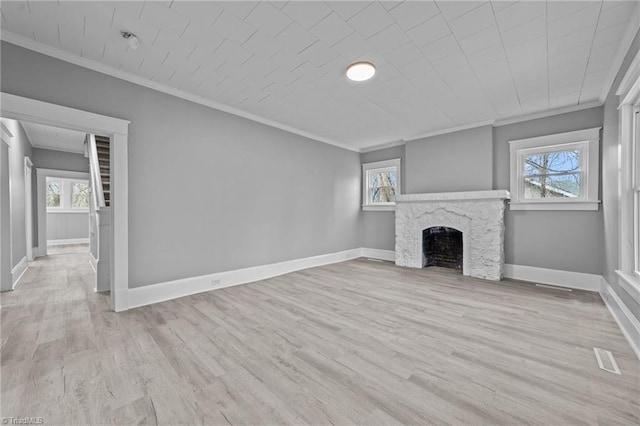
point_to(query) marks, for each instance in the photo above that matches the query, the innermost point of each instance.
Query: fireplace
(477, 217)
(442, 246)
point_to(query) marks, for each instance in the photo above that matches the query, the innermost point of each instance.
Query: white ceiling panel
(48, 137)
(439, 64)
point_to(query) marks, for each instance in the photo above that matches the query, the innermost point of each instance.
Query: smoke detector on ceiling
(131, 38)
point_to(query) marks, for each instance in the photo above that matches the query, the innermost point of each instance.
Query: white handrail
(96, 179)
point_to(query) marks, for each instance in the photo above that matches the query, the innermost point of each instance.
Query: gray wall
(59, 160)
(208, 191)
(67, 226)
(459, 161)
(610, 184)
(565, 240)
(19, 148)
(478, 159)
(378, 227)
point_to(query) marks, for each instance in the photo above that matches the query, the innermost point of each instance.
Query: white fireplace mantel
(479, 215)
(499, 194)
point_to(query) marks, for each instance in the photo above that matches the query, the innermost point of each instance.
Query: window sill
(565, 205)
(387, 208)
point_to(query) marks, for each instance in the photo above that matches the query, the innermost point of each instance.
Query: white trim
(67, 241)
(18, 271)
(623, 48)
(544, 114)
(556, 277)
(586, 141)
(627, 322)
(630, 283)
(28, 206)
(94, 263)
(379, 254)
(379, 208)
(21, 108)
(64, 174)
(385, 164)
(629, 84)
(451, 130)
(382, 146)
(141, 81)
(146, 295)
(557, 138)
(495, 123)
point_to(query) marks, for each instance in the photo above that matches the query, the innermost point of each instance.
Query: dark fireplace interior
(442, 246)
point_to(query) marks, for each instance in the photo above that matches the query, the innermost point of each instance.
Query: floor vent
(553, 287)
(606, 361)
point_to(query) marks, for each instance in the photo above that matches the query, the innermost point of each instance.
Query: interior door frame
(20, 108)
(28, 207)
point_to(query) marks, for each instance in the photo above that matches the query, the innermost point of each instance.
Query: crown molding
(451, 130)
(62, 55)
(382, 146)
(625, 44)
(544, 114)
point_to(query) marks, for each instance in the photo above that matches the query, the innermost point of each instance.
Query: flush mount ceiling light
(131, 39)
(361, 71)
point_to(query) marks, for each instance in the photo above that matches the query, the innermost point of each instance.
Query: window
(64, 195)
(381, 183)
(556, 172)
(54, 187)
(80, 195)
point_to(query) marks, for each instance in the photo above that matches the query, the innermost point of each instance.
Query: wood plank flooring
(359, 342)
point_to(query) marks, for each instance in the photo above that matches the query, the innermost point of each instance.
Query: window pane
(53, 193)
(382, 186)
(557, 186)
(552, 162)
(80, 198)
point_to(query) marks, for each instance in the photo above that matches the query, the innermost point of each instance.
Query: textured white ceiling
(48, 137)
(441, 64)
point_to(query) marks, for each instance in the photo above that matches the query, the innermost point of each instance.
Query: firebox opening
(442, 246)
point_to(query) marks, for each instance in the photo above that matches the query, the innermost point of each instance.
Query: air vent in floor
(606, 361)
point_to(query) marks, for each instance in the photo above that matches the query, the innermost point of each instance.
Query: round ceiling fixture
(361, 71)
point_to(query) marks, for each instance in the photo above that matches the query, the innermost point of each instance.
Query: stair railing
(96, 179)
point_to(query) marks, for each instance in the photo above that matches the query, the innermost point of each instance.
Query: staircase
(102, 149)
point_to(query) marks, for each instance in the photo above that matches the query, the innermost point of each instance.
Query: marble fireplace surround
(479, 215)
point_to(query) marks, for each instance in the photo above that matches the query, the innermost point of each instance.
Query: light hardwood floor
(359, 342)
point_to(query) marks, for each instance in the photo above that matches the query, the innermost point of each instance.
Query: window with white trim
(556, 172)
(67, 194)
(380, 184)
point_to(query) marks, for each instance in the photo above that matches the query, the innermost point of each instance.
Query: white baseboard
(555, 277)
(19, 270)
(389, 255)
(141, 296)
(627, 322)
(69, 241)
(93, 262)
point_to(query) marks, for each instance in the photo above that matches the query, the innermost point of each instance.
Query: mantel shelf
(500, 194)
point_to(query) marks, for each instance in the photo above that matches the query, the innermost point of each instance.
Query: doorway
(19, 108)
